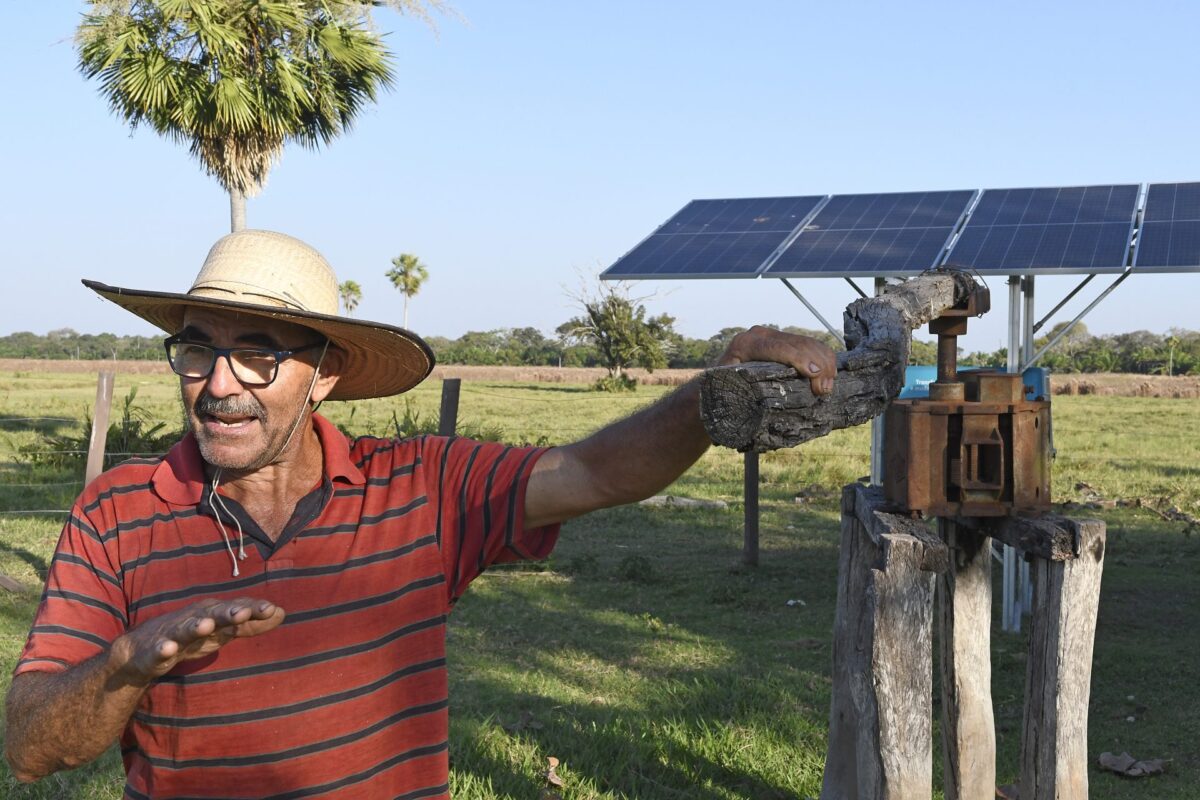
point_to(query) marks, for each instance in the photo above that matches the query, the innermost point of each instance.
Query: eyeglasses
(252, 366)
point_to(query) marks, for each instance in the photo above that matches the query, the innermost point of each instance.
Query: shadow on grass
(37, 562)
(1150, 469)
(697, 679)
(46, 426)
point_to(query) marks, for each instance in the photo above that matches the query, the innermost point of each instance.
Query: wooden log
(1054, 761)
(965, 622)
(12, 585)
(880, 730)
(764, 406)
(1049, 537)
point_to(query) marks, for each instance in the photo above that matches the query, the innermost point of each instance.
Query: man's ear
(330, 371)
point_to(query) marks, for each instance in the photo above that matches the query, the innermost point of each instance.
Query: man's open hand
(806, 355)
(153, 648)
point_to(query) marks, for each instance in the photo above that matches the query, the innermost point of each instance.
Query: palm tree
(407, 274)
(351, 293)
(235, 80)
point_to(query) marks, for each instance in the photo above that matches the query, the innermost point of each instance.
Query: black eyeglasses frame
(226, 352)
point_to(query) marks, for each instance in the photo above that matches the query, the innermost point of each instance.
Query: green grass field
(647, 661)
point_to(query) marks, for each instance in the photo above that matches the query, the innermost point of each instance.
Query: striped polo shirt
(348, 697)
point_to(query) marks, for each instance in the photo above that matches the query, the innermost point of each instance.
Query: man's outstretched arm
(65, 719)
(643, 453)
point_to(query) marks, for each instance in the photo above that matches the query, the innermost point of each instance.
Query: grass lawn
(645, 659)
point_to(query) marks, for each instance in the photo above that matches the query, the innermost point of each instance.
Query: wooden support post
(448, 414)
(1066, 594)
(880, 731)
(965, 622)
(750, 490)
(95, 458)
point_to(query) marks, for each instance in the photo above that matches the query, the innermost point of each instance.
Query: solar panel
(874, 235)
(1080, 229)
(1169, 237)
(715, 239)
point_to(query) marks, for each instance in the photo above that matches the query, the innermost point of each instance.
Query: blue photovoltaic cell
(715, 238)
(1052, 230)
(874, 235)
(1169, 237)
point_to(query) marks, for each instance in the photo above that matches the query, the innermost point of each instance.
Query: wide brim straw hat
(275, 276)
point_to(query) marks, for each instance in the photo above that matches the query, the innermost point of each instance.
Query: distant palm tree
(407, 274)
(351, 293)
(237, 79)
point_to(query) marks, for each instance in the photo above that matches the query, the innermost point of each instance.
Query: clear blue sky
(535, 141)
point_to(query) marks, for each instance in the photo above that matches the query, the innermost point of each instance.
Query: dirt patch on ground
(1106, 384)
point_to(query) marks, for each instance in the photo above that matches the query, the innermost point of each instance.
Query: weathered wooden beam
(763, 406)
(965, 622)
(933, 555)
(1049, 537)
(1054, 760)
(12, 585)
(880, 730)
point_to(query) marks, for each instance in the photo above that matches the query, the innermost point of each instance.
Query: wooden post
(95, 459)
(750, 490)
(880, 730)
(965, 622)
(1066, 594)
(448, 415)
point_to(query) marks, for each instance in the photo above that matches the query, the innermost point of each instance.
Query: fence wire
(621, 404)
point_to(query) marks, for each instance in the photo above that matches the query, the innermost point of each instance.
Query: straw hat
(268, 274)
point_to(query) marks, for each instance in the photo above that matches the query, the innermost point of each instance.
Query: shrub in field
(616, 383)
(135, 433)
(412, 423)
(637, 569)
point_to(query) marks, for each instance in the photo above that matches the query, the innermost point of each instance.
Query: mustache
(241, 406)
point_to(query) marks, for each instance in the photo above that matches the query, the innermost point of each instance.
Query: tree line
(1176, 352)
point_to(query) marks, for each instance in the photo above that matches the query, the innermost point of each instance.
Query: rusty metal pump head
(976, 447)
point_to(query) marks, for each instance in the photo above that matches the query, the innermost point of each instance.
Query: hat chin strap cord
(215, 498)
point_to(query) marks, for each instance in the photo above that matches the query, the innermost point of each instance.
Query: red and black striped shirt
(348, 697)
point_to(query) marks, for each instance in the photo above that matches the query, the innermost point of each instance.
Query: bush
(637, 569)
(615, 383)
(134, 434)
(413, 424)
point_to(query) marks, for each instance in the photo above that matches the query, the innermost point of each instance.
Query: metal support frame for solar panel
(1155, 237)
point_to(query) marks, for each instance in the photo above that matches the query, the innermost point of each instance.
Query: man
(261, 612)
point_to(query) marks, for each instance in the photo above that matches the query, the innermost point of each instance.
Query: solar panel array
(874, 234)
(1031, 231)
(1169, 236)
(1054, 230)
(716, 239)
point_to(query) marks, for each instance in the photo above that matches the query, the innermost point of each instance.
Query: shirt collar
(179, 479)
